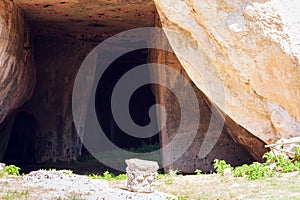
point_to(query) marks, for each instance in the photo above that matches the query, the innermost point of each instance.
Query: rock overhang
(87, 20)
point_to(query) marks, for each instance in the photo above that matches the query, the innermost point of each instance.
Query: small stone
(2, 166)
(227, 172)
(140, 175)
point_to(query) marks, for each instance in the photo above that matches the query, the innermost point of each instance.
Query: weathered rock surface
(63, 33)
(252, 49)
(246, 50)
(209, 128)
(57, 62)
(141, 175)
(17, 71)
(87, 20)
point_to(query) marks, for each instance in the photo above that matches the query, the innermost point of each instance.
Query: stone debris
(62, 183)
(285, 147)
(141, 175)
(2, 166)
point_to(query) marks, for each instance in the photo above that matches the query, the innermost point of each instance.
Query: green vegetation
(108, 176)
(127, 153)
(198, 171)
(144, 148)
(10, 170)
(10, 195)
(272, 166)
(68, 172)
(221, 165)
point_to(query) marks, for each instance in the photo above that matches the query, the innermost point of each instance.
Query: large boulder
(252, 49)
(17, 71)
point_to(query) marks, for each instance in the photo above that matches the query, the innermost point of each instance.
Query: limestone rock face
(252, 49)
(186, 145)
(17, 72)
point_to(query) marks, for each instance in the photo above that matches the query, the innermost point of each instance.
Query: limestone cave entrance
(59, 36)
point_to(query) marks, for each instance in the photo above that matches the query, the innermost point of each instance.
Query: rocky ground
(63, 184)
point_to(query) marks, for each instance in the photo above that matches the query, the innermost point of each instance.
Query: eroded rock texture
(209, 128)
(141, 175)
(243, 61)
(17, 71)
(57, 61)
(252, 49)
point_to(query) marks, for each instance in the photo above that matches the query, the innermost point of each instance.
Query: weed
(172, 172)
(182, 198)
(10, 195)
(108, 176)
(221, 165)
(68, 172)
(12, 170)
(241, 171)
(258, 170)
(198, 171)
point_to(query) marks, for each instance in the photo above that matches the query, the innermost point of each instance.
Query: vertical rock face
(252, 49)
(57, 61)
(245, 62)
(17, 72)
(64, 33)
(208, 129)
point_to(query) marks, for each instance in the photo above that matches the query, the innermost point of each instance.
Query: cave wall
(17, 70)
(225, 148)
(57, 62)
(252, 49)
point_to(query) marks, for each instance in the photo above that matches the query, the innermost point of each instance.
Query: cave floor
(91, 167)
(210, 186)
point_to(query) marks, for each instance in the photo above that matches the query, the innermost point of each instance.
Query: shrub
(221, 165)
(258, 170)
(12, 170)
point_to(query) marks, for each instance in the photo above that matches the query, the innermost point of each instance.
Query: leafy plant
(297, 150)
(12, 170)
(241, 171)
(258, 170)
(198, 171)
(269, 158)
(221, 165)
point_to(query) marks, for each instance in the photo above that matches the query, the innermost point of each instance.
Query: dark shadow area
(20, 148)
(141, 101)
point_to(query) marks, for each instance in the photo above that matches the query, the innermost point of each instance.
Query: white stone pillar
(141, 174)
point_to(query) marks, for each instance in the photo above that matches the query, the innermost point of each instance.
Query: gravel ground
(44, 184)
(59, 185)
